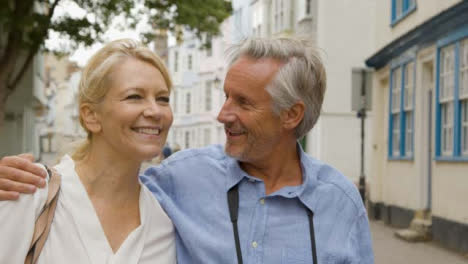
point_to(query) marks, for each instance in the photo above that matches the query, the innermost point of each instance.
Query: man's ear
(293, 116)
(90, 117)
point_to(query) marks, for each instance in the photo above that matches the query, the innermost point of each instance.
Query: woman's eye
(133, 96)
(164, 99)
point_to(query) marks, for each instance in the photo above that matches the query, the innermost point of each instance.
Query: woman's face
(135, 115)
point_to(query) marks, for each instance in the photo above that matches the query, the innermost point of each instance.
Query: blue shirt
(192, 187)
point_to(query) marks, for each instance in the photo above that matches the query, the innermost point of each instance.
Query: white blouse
(76, 235)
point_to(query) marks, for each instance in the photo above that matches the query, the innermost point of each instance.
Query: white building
(342, 30)
(62, 127)
(24, 113)
(198, 95)
(420, 133)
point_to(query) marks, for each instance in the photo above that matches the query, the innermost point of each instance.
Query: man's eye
(133, 96)
(243, 101)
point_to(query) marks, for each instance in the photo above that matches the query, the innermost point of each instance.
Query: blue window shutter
(437, 105)
(405, 6)
(402, 111)
(456, 104)
(394, 10)
(390, 119)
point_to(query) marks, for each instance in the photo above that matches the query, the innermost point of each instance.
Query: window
(176, 61)
(401, 111)
(308, 7)
(209, 49)
(187, 139)
(452, 101)
(187, 103)
(257, 19)
(408, 106)
(238, 18)
(409, 133)
(208, 88)
(207, 137)
(174, 137)
(402, 8)
(395, 114)
(464, 144)
(447, 117)
(189, 62)
(446, 98)
(278, 15)
(281, 15)
(463, 91)
(396, 135)
(174, 102)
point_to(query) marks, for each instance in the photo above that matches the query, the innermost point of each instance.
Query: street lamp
(216, 82)
(361, 95)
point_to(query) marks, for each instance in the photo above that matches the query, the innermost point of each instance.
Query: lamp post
(216, 82)
(361, 102)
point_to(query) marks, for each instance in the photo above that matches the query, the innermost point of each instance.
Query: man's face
(252, 129)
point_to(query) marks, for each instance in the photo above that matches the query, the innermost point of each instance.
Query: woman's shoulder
(151, 207)
(65, 166)
(27, 204)
(18, 221)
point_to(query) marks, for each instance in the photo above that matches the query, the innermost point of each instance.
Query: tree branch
(33, 51)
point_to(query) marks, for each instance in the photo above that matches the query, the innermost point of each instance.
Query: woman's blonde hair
(95, 80)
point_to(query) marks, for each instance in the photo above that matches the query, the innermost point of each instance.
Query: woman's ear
(90, 118)
(293, 116)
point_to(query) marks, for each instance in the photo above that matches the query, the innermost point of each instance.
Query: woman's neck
(108, 175)
(111, 181)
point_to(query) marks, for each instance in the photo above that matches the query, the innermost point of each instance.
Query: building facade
(420, 102)
(197, 97)
(25, 113)
(62, 126)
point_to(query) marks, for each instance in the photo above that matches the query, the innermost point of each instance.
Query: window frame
(403, 151)
(176, 61)
(308, 7)
(190, 62)
(456, 38)
(188, 103)
(407, 7)
(208, 104)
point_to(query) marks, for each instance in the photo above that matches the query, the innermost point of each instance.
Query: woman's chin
(149, 155)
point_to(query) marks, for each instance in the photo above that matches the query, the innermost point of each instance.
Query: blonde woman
(104, 214)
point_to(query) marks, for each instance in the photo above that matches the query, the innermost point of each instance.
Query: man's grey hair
(301, 78)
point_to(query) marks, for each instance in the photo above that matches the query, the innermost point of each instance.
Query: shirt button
(262, 201)
(254, 244)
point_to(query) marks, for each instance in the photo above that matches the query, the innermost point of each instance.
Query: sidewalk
(390, 250)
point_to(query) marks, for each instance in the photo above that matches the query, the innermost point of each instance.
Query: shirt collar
(310, 171)
(305, 192)
(235, 173)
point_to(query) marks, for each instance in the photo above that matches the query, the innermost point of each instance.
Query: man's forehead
(256, 62)
(262, 69)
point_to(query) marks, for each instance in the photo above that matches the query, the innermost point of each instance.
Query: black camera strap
(233, 202)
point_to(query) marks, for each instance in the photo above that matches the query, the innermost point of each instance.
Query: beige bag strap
(44, 221)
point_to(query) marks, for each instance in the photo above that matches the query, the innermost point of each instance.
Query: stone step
(421, 225)
(411, 235)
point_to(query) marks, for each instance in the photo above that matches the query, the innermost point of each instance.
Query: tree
(25, 25)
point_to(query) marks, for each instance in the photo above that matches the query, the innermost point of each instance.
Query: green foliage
(30, 20)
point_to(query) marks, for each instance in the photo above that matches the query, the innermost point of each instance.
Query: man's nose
(226, 114)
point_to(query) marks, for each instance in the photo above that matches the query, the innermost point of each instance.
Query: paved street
(390, 250)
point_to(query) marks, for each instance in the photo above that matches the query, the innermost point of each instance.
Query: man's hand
(18, 174)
